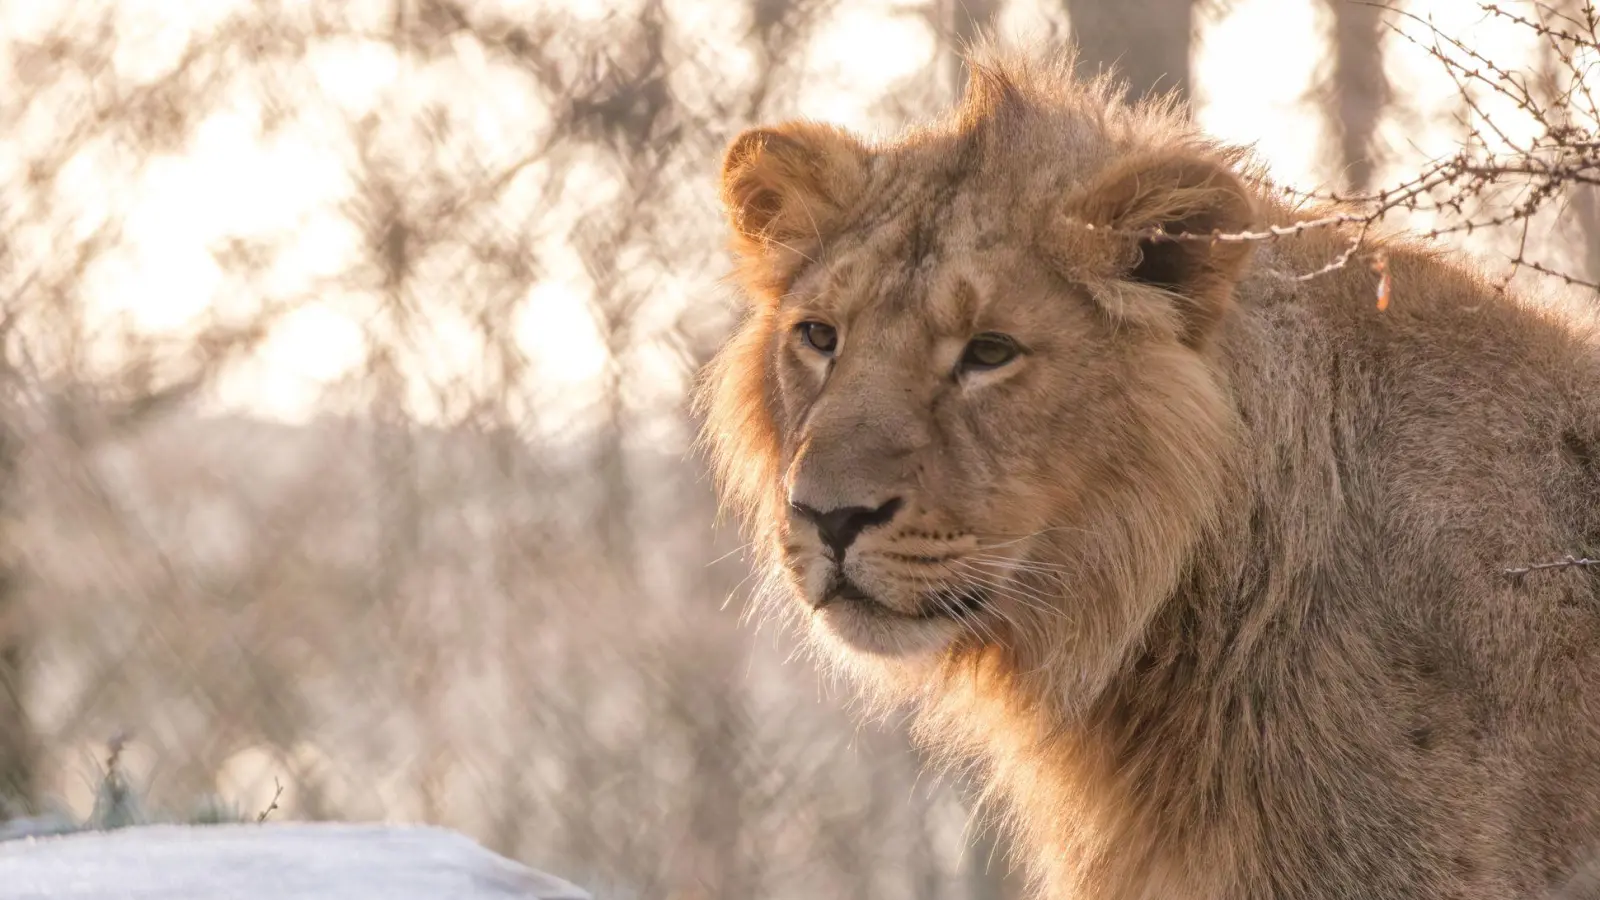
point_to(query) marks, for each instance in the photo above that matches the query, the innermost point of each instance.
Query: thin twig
(274, 804)
(1567, 562)
(1493, 181)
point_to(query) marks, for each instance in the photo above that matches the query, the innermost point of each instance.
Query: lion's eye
(989, 351)
(820, 337)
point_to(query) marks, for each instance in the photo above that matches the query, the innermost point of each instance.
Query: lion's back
(1419, 458)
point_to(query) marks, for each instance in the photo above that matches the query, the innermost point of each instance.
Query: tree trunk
(966, 19)
(18, 745)
(1587, 202)
(1147, 42)
(1585, 198)
(18, 749)
(1356, 92)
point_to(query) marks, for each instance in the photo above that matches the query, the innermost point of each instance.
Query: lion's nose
(840, 526)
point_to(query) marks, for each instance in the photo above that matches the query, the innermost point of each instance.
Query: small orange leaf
(1381, 266)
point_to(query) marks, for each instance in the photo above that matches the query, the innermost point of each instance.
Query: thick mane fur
(1267, 648)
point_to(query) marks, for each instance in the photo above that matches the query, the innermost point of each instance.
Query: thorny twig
(1493, 180)
(1566, 562)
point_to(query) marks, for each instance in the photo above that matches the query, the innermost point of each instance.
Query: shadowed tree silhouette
(1355, 92)
(18, 743)
(1148, 42)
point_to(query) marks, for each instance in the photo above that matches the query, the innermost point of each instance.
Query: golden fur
(1209, 580)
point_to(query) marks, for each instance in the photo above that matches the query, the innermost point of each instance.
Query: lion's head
(969, 410)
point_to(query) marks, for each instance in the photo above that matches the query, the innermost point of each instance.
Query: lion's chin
(864, 627)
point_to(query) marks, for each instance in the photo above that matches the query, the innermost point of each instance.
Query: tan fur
(1245, 631)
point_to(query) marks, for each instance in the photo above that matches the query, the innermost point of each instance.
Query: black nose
(839, 527)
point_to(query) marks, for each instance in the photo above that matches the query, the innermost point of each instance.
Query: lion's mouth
(843, 589)
(960, 605)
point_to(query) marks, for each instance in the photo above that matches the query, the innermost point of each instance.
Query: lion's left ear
(1178, 194)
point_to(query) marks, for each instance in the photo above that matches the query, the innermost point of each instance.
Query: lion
(1201, 562)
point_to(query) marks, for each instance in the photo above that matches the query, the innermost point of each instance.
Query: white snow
(38, 826)
(268, 862)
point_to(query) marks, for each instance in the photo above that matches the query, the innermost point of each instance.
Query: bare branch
(1566, 562)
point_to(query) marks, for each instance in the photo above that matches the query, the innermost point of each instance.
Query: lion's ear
(786, 188)
(1179, 195)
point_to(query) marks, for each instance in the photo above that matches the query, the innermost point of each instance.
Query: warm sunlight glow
(858, 55)
(307, 350)
(245, 178)
(1252, 75)
(556, 329)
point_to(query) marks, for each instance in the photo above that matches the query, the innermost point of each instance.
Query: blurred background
(344, 452)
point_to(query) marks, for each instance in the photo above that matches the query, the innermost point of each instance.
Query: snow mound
(39, 826)
(268, 862)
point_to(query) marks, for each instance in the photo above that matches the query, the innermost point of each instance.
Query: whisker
(1007, 540)
(739, 549)
(1025, 603)
(1015, 591)
(972, 620)
(950, 601)
(1021, 564)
